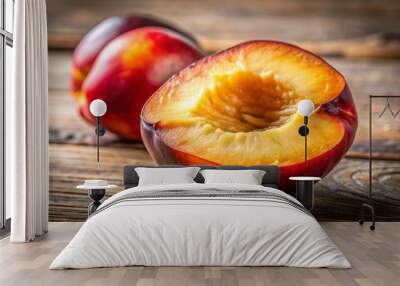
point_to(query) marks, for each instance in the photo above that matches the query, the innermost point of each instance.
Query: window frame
(6, 39)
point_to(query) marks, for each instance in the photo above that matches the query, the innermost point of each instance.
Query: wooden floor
(375, 257)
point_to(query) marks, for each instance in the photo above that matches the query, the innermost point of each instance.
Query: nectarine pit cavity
(243, 101)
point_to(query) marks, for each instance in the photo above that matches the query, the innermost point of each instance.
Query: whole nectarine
(238, 107)
(104, 32)
(128, 70)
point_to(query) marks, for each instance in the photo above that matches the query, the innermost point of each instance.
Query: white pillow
(248, 177)
(165, 176)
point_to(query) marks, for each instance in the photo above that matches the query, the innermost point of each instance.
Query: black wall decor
(394, 114)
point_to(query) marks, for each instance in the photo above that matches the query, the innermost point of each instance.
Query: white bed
(249, 225)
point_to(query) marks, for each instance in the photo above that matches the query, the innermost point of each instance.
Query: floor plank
(375, 257)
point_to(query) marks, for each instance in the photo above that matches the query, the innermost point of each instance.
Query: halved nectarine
(238, 107)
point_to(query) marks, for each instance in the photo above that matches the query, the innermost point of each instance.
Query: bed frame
(271, 178)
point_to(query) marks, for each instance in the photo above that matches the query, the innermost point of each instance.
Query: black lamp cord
(303, 131)
(98, 137)
(100, 131)
(305, 145)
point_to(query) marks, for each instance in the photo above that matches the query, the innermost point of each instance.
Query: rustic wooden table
(356, 37)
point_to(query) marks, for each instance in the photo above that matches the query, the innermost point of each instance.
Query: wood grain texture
(375, 258)
(338, 196)
(352, 29)
(71, 164)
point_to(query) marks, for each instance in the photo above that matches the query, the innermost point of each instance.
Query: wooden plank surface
(359, 38)
(71, 164)
(374, 257)
(353, 28)
(338, 197)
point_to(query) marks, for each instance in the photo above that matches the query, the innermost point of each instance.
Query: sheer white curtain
(26, 124)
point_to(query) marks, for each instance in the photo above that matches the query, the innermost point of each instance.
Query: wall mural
(236, 107)
(176, 96)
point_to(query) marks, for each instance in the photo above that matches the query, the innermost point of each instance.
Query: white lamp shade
(305, 107)
(98, 107)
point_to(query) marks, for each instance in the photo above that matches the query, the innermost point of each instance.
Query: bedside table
(305, 190)
(96, 191)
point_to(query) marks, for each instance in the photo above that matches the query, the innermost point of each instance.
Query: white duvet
(200, 231)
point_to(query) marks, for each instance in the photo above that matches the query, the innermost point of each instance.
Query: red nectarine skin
(337, 108)
(103, 33)
(127, 72)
